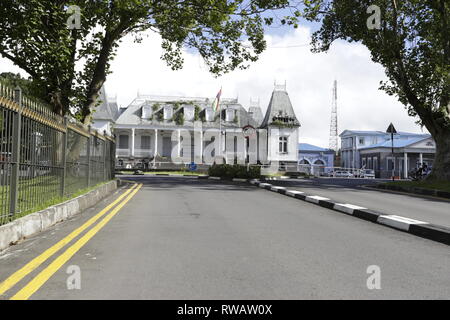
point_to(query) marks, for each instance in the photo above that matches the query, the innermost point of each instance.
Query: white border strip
(292, 193)
(398, 222)
(347, 208)
(315, 199)
(263, 185)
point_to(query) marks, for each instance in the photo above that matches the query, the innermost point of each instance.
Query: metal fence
(45, 157)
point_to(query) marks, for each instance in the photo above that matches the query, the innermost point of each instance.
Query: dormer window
(189, 112)
(229, 115)
(209, 114)
(168, 112)
(147, 112)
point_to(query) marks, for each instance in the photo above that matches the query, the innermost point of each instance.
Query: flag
(216, 102)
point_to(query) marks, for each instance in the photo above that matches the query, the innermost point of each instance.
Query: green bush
(197, 113)
(179, 118)
(156, 107)
(234, 171)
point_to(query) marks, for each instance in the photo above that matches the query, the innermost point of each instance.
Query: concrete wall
(39, 221)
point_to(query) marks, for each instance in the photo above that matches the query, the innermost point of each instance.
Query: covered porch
(400, 164)
(157, 146)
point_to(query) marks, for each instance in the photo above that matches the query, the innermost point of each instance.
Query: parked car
(366, 174)
(343, 174)
(327, 174)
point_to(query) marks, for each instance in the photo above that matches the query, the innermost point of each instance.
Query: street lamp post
(392, 131)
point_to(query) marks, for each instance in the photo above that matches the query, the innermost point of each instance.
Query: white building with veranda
(166, 132)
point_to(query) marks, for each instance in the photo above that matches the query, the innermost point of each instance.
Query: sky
(309, 79)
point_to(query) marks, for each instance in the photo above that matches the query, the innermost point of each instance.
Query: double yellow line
(37, 282)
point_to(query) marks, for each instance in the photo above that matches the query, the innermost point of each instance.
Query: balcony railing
(137, 152)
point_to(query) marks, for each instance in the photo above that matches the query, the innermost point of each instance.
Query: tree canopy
(412, 42)
(35, 36)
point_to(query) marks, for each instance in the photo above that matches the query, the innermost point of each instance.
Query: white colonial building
(166, 132)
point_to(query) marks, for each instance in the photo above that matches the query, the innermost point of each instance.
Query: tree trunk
(441, 165)
(75, 148)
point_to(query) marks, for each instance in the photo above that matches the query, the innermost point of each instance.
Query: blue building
(318, 159)
(373, 150)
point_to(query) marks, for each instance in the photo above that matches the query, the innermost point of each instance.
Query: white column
(198, 143)
(179, 143)
(421, 158)
(132, 141)
(201, 147)
(155, 151)
(405, 165)
(223, 146)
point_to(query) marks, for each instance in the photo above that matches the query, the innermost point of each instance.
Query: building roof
(256, 114)
(280, 110)
(160, 98)
(107, 110)
(362, 132)
(310, 147)
(377, 133)
(399, 142)
(132, 115)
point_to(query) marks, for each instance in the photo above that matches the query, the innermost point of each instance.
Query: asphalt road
(352, 191)
(183, 238)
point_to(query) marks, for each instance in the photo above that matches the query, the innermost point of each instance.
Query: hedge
(234, 171)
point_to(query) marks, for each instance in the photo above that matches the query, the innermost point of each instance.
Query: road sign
(193, 166)
(391, 129)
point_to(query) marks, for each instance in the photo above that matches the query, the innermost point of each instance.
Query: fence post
(113, 157)
(104, 155)
(64, 159)
(15, 170)
(89, 158)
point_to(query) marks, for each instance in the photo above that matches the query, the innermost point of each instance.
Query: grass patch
(431, 185)
(274, 175)
(52, 202)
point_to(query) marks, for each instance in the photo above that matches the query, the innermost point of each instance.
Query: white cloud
(309, 78)
(7, 66)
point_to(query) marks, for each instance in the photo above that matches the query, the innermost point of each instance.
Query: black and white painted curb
(235, 179)
(175, 175)
(279, 178)
(416, 227)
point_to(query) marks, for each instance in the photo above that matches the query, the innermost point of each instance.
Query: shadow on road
(164, 182)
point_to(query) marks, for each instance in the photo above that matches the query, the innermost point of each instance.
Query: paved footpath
(181, 238)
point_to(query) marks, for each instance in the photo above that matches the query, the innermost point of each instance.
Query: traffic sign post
(193, 166)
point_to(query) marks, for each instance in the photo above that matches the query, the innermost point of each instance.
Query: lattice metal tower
(334, 121)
